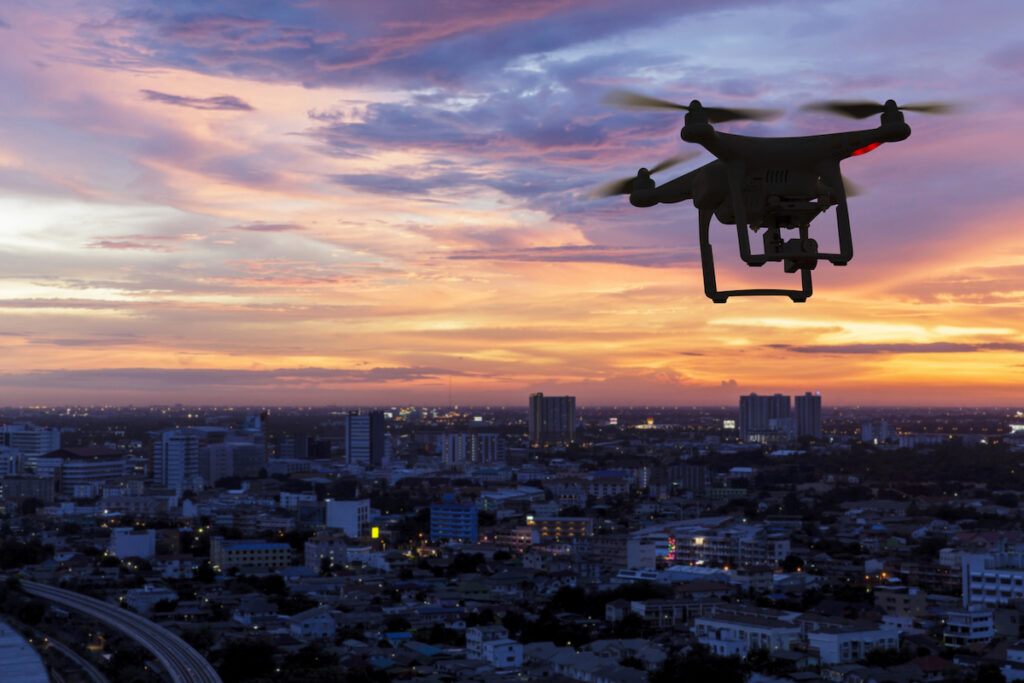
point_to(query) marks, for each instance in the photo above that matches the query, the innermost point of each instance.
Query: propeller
(851, 188)
(861, 109)
(632, 100)
(625, 185)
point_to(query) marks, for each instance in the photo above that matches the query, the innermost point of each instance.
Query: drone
(771, 183)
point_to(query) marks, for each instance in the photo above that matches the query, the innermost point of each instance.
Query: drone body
(773, 184)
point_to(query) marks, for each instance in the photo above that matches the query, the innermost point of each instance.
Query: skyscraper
(552, 419)
(364, 438)
(757, 413)
(808, 415)
(475, 449)
(175, 458)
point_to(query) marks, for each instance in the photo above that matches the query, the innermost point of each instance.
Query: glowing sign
(375, 532)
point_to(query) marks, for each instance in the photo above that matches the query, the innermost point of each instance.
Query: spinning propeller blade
(851, 188)
(632, 100)
(625, 185)
(861, 109)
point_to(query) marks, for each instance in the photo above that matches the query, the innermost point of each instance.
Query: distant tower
(757, 413)
(808, 415)
(552, 419)
(364, 438)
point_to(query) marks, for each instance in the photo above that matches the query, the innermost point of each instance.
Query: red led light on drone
(865, 150)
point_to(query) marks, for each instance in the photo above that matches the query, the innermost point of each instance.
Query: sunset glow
(375, 203)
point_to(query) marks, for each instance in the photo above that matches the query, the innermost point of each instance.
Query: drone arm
(678, 190)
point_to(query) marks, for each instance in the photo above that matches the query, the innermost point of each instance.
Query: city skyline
(221, 204)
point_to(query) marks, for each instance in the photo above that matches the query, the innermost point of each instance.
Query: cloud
(224, 102)
(931, 347)
(269, 227)
(993, 285)
(4, 24)
(1009, 57)
(632, 256)
(78, 342)
(161, 243)
(173, 380)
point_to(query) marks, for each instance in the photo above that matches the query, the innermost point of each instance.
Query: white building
(132, 542)
(971, 625)
(175, 458)
(478, 636)
(846, 643)
(31, 440)
(992, 578)
(314, 623)
(350, 516)
(503, 654)
(738, 634)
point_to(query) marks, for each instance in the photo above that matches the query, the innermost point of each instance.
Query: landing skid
(707, 259)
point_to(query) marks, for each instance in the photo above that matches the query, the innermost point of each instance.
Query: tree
(205, 573)
(698, 664)
(244, 660)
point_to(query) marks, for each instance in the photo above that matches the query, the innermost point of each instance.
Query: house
(316, 623)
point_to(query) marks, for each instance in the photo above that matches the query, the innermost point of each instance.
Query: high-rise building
(175, 458)
(552, 419)
(877, 431)
(31, 440)
(364, 438)
(808, 415)
(757, 414)
(472, 449)
(451, 521)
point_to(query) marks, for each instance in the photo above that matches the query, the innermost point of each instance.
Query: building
(562, 529)
(364, 438)
(70, 467)
(757, 414)
(901, 601)
(231, 459)
(972, 625)
(992, 578)
(877, 431)
(451, 521)
(333, 547)
(29, 486)
(244, 553)
(808, 415)
(132, 542)
(31, 440)
(552, 420)
(477, 636)
(175, 459)
(840, 641)
(458, 450)
(728, 634)
(351, 517)
(11, 460)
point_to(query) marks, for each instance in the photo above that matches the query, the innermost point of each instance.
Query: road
(182, 663)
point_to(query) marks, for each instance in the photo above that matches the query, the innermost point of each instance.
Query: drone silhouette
(771, 183)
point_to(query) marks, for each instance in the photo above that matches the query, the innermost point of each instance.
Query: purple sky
(239, 202)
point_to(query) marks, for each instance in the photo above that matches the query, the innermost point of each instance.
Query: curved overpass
(182, 663)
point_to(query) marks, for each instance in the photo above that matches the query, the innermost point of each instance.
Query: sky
(245, 202)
